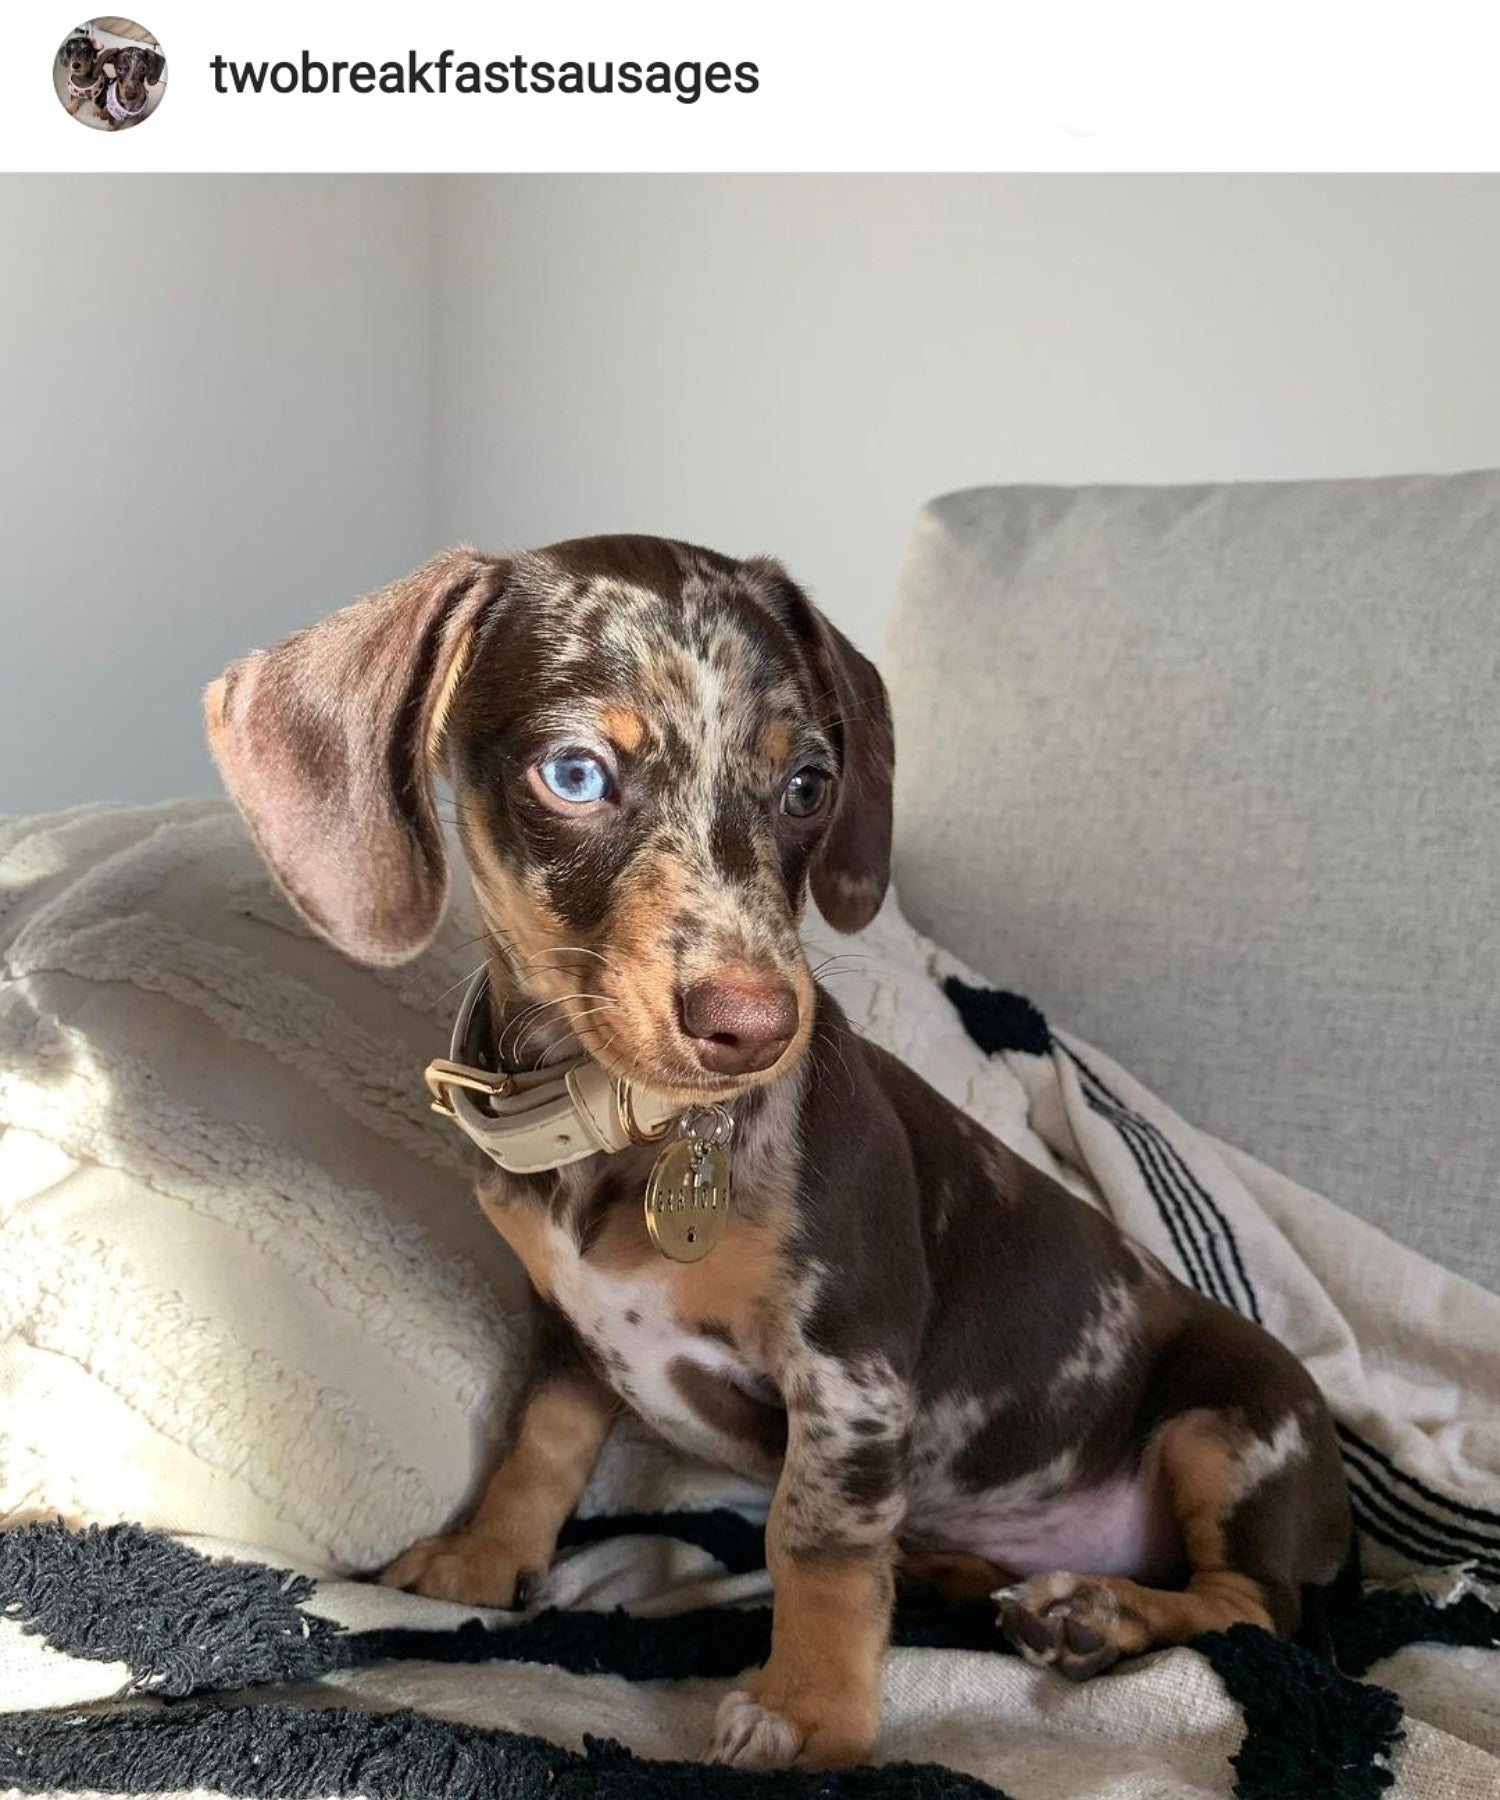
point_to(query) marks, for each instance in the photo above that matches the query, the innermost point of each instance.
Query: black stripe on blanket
(736, 1543)
(1488, 1523)
(712, 1641)
(1390, 1505)
(1172, 1180)
(1378, 1504)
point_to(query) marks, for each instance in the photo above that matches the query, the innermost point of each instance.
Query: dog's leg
(830, 1547)
(817, 1700)
(1260, 1516)
(499, 1557)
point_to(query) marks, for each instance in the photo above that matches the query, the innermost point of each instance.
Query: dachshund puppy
(124, 99)
(81, 57)
(919, 1342)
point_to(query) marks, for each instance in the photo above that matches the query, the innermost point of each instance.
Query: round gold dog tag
(687, 1199)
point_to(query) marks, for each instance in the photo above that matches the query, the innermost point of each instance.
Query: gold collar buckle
(440, 1075)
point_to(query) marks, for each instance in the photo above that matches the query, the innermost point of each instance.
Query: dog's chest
(643, 1325)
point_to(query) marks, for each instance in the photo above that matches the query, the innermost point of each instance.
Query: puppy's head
(654, 752)
(136, 69)
(79, 56)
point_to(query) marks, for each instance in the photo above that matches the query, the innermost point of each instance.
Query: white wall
(795, 363)
(214, 426)
(228, 404)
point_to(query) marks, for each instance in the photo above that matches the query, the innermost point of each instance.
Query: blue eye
(575, 776)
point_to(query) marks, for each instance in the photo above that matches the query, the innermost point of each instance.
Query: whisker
(404, 993)
(843, 1059)
(851, 1030)
(571, 950)
(847, 956)
(463, 981)
(526, 1012)
(542, 1006)
(539, 1025)
(469, 943)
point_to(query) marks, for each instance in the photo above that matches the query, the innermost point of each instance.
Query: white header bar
(783, 85)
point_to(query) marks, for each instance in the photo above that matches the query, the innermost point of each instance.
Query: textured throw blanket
(159, 1658)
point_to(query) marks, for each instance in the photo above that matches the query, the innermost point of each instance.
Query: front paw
(467, 1566)
(767, 1726)
(748, 1735)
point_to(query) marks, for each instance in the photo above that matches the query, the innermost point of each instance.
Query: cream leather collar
(544, 1118)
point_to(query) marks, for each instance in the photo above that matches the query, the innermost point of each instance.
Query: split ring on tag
(687, 1195)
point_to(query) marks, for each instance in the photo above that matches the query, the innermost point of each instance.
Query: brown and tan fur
(932, 1353)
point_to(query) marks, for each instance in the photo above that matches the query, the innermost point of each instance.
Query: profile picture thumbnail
(110, 74)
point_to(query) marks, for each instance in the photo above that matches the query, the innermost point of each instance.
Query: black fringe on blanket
(1310, 1732)
(292, 1753)
(1387, 1620)
(999, 1020)
(180, 1622)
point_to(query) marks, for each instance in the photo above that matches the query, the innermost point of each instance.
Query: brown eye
(804, 795)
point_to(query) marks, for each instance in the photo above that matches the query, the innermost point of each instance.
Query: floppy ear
(327, 744)
(851, 867)
(155, 64)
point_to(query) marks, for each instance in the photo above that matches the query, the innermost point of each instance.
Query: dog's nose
(738, 1024)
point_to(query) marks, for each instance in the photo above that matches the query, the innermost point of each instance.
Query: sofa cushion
(1213, 773)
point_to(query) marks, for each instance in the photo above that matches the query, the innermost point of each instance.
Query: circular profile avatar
(110, 74)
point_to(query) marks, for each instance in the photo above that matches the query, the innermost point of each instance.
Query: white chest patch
(631, 1325)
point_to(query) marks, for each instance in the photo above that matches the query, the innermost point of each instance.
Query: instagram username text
(686, 82)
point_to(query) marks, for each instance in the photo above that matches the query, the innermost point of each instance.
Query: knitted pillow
(244, 1290)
